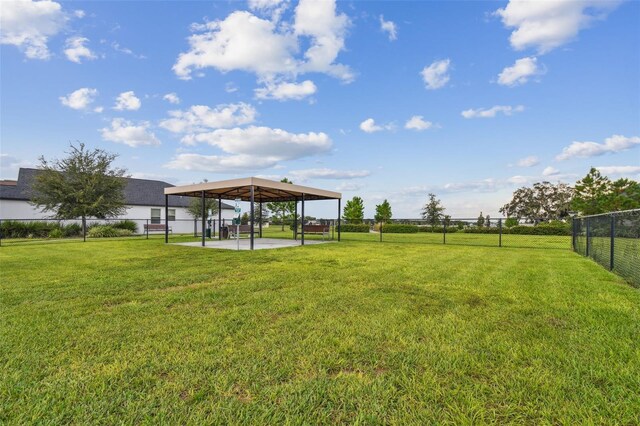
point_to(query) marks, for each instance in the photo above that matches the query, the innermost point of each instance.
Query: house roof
(263, 190)
(137, 192)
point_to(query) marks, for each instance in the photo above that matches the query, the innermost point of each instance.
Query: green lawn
(133, 331)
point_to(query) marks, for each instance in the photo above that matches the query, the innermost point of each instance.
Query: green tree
(480, 221)
(354, 210)
(383, 212)
(624, 194)
(210, 205)
(433, 210)
(487, 221)
(591, 193)
(543, 201)
(244, 219)
(82, 185)
(282, 210)
(510, 222)
(260, 216)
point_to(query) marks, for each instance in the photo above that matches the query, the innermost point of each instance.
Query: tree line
(86, 184)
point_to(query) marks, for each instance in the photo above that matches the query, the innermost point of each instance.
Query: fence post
(147, 229)
(380, 231)
(444, 232)
(613, 240)
(573, 233)
(588, 235)
(500, 238)
(0, 232)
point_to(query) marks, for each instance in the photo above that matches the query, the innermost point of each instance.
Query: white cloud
(128, 133)
(273, 8)
(520, 72)
(436, 75)
(76, 49)
(619, 170)
(79, 13)
(546, 25)
(284, 91)
(529, 161)
(251, 148)
(230, 87)
(127, 101)
(243, 41)
(79, 99)
(615, 143)
(116, 46)
(389, 27)
(266, 142)
(550, 171)
(171, 98)
(28, 25)
(200, 118)
(417, 123)
(369, 126)
(491, 112)
(349, 186)
(328, 174)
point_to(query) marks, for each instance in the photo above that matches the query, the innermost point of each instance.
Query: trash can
(224, 232)
(208, 233)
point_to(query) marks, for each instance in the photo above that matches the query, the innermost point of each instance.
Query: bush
(438, 229)
(55, 233)
(398, 228)
(107, 231)
(34, 229)
(126, 224)
(72, 230)
(354, 227)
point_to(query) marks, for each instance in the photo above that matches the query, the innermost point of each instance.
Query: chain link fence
(612, 240)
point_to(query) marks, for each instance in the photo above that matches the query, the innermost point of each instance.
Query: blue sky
(468, 100)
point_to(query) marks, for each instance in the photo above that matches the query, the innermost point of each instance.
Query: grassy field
(136, 332)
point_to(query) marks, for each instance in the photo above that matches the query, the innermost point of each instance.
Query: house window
(155, 215)
(172, 214)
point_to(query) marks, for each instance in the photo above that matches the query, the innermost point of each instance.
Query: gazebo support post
(260, 218)
(203, 216)
(302, 222)
(295, 221)
(166, 220)
(219, 217)
(339, 209)
(252, 214)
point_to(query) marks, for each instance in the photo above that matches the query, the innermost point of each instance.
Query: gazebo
(254, 190)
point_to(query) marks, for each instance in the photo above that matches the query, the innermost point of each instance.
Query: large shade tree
(353, 211)
(542, 202)
(84, 184)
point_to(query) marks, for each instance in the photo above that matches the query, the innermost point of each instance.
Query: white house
(144, 202)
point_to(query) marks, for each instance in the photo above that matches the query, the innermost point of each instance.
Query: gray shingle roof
(137, 192)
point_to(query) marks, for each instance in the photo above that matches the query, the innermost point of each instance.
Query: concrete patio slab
(259, 244)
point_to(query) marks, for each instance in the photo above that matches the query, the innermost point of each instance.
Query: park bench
(243, 229)
(315, 229)
(156, 227)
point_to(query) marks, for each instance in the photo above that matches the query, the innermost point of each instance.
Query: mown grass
(136, 332)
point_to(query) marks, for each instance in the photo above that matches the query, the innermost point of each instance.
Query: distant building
(144, 201)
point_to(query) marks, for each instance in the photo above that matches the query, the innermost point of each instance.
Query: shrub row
(55, 229)
(107, 231)
(354, 227)
(542, 229)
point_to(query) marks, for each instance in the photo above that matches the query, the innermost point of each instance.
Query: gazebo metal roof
(264, 190)
(254, 190)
